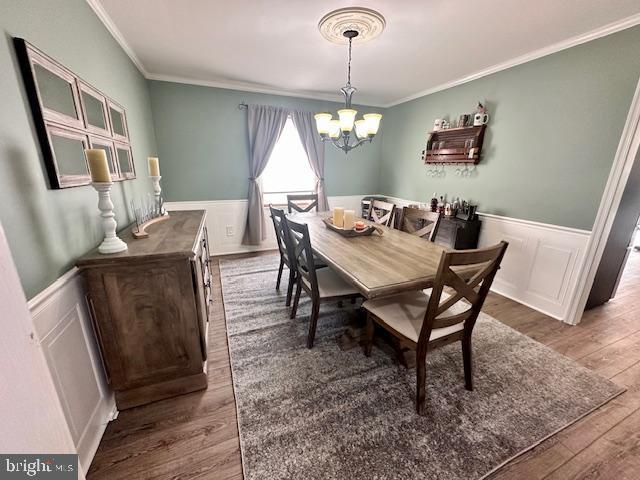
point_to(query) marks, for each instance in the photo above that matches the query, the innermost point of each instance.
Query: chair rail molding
(226, 221)
(540, 267)
(64, 331)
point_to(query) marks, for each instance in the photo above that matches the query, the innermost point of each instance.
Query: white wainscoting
(541, 265)
(65, 333)
(226, 221)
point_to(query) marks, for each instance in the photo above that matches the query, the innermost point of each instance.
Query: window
(288, 170)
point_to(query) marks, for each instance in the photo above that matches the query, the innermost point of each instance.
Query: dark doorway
(619, 246)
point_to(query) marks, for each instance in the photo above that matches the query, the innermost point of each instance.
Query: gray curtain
(314, 147)
(265, 125)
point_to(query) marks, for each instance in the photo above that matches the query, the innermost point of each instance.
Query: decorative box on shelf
(455, 145)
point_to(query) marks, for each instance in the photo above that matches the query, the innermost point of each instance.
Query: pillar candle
(349, 219)
(338, 216)
(154, 166)
(98, 165)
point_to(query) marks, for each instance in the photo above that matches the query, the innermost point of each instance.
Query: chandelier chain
(349, 65)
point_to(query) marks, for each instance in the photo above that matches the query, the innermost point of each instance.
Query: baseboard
(64, 331)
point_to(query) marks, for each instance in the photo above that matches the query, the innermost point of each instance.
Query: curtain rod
(245, 106)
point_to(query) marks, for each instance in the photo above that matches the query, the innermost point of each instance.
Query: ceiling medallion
(368, 23)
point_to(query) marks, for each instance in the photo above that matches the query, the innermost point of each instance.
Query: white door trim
(616, 183)
(31, 416)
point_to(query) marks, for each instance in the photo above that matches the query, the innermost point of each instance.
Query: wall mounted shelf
(454, 145)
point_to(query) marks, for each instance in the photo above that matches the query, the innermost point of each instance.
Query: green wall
(204, 150)
(48, 229)
(555, 125)
(554, 129)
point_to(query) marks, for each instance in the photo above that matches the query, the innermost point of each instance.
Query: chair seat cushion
(405, 314)
(330, 284)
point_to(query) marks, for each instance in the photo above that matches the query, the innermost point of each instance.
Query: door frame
(32, 415)
(609, 204)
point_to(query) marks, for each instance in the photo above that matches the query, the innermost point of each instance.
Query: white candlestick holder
(157, 190)
(111, 242)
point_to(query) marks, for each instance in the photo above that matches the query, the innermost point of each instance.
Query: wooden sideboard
(150, 309)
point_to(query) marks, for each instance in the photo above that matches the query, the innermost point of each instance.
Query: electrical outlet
(230, 231)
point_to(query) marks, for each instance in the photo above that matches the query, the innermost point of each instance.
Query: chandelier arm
(336, 143)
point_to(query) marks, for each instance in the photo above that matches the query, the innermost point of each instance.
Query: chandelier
(340, 131)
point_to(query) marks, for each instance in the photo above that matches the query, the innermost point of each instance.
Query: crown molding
(603, 31)
(247, 87)
(102, 14)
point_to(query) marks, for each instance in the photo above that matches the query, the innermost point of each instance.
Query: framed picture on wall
(70, 115)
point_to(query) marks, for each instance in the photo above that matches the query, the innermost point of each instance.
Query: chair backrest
(311, 198)
(381, 212)
(422, 223)
(470, 274)
(279, 224)
(302, 254)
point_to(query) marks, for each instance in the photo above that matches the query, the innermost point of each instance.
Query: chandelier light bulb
(334, 129)
(347, 118)
(322, 122)
(372, 122)
(361, 129)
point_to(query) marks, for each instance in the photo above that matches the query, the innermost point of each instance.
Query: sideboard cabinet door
(146, 317)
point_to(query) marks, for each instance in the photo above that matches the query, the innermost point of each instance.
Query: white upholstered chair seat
(330, 284)
(405, 313)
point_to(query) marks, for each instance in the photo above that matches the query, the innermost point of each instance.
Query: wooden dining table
(378, 264)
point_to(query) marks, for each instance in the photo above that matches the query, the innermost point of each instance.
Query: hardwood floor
(195, 436)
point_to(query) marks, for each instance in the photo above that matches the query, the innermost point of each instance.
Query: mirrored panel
(56, 93)
(94, 111)
(68, 149)
(117, 122)
(125, 162)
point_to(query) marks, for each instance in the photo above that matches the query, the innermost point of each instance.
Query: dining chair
(422, 322)
(322, 285)
(292, 202)
(279, 221)
(419, 222)
(381, 212)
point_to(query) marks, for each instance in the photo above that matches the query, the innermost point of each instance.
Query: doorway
(620, 257)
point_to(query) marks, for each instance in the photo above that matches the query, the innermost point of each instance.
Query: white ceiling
(274, 45)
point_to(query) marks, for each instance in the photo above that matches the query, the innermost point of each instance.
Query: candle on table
(349, 219)
(98, 165)
(154, 166)
(338, 216)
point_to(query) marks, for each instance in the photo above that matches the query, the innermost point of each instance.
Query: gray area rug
(331, 414)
